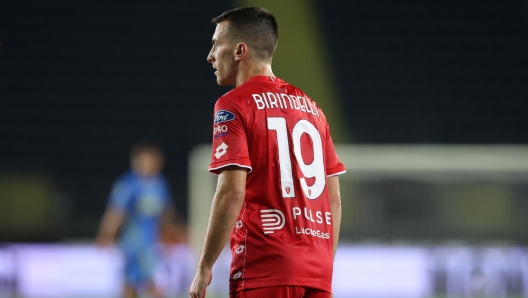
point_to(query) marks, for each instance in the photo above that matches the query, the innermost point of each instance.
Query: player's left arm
(334, 168)
(226, 206)
(114, 215)
(109, 227)
(335, 207)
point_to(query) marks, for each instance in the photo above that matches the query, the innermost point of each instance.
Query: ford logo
(223, 116)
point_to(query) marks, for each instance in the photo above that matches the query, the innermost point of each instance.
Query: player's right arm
(226, 206)
(230, 160)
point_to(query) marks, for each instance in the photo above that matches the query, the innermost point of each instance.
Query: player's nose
(210, 58)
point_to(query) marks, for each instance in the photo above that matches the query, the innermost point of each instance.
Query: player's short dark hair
(253, 25)
(145, 146)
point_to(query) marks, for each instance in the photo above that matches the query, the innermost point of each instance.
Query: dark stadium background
(80, 82)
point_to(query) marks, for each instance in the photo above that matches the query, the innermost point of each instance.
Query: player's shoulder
(124, 184)
(228, 102)
(127, 178)
(231, 98)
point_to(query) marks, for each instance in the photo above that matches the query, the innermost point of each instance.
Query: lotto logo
(237, 275)
(239, 249)
(221, 150)
(272, 219)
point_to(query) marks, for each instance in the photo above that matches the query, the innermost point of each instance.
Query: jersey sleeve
(333, 164)
(229, 136)
(120, 196)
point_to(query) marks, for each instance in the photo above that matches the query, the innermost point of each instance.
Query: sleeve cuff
(215, 168)
(336, 174)
(338, 170)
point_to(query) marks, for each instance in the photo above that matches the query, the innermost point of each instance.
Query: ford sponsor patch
(223, 116)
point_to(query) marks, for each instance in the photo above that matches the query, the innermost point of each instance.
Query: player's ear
(241, 51)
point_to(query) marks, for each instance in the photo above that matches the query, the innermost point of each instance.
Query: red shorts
(282, 292)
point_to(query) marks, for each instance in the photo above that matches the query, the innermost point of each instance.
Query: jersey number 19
(314, 170)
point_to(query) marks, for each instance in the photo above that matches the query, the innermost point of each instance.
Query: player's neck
(247, 71)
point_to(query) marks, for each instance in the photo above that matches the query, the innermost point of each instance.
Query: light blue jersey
(143, 200)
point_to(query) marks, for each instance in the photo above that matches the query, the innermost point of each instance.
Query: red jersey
(284, 233)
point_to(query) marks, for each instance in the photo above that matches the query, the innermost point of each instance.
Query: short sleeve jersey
(284, 233)
(143, 201)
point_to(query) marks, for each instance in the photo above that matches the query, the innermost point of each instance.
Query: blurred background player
(140, 205)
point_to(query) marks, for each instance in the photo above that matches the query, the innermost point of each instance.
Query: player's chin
(221, 82)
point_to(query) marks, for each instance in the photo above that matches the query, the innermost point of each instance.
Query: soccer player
(278, 190)
(140, 204)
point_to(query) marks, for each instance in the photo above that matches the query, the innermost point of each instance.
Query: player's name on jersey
(270, 100)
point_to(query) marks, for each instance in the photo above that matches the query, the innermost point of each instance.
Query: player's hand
(201, 281)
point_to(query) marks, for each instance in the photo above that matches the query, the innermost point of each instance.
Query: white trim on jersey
(335, 174)
(231, 164)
